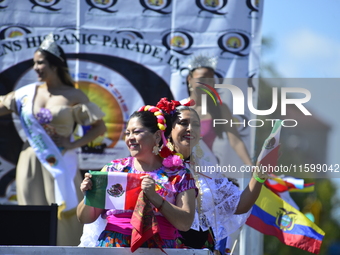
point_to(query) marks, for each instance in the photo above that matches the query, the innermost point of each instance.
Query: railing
(70, 250)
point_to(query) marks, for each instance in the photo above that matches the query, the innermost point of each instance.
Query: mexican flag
(270, 150)
(114, 190)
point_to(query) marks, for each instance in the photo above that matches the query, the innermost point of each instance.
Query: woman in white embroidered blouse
(220, 204)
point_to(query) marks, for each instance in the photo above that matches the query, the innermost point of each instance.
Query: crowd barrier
(70, 250)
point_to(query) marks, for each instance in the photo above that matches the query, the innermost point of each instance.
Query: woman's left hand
(148, 185)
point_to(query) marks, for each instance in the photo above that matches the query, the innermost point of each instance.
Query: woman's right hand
(86, 213)
(148, 185)
(86, 184)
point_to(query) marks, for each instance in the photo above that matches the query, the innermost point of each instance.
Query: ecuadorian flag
(273, 216)
(114, 190)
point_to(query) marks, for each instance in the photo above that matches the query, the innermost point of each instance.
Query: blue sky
(306, 37)
(306, 44)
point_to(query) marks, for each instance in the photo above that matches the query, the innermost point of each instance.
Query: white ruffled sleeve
(218, 205)
(91, 232)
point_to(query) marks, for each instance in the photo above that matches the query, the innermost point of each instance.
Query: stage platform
(70, 250)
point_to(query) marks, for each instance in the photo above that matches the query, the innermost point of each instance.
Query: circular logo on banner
(102, 5)
(13, 32)
(156, 5)
(235, 43)
(253, 5)
(131, 33)
(3, 4)
(178, 41)
(212, 6)
(46, 4)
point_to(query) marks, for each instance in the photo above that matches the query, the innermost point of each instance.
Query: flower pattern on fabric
(162, 176)
(219, 199)
(44, 116)
(114, 239)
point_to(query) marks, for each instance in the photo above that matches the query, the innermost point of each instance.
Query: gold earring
(199, 151)
(155, 150)
(170, 145)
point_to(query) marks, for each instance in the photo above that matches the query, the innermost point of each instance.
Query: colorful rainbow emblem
(210, 94)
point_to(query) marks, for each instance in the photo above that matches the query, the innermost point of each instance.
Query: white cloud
(308, 44)
(306, 53)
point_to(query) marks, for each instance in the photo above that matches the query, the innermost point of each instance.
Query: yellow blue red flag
(273, 216)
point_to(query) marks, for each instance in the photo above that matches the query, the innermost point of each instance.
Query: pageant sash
(46, 151)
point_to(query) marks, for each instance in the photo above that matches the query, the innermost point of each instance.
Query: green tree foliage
(322, 201)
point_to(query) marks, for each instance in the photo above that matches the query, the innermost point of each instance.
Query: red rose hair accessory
(170, 106)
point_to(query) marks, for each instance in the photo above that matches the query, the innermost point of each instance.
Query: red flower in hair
(165, 152)
(168, 106)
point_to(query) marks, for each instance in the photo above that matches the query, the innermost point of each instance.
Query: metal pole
(250, 240)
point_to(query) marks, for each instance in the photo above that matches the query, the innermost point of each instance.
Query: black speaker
(28, 225)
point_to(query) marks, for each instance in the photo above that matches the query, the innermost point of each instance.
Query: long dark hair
(60, 64)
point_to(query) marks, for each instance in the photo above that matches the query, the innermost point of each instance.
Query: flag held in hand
(270, 150)
(114, 190)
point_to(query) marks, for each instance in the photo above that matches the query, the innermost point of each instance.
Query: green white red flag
(270, 151)
(114, 190)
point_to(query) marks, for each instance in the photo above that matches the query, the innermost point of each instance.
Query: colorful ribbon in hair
(171, 159)
(158, 113)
